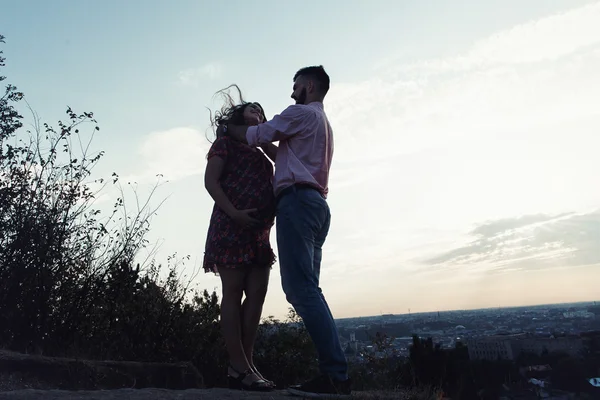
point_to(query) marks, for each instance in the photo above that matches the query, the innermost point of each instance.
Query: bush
(69, 284)
(284, 351)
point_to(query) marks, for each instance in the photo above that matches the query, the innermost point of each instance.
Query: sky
(466, 132)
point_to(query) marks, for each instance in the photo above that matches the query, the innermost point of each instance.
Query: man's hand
(243, 218)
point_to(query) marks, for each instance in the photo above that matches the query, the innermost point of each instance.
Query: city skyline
(465, 133)
(592, 303)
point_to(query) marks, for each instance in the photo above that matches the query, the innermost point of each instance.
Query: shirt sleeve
(219, 148)
(290, 122)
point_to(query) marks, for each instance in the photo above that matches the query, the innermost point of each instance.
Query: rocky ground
(32, 377)
(26, 371)
(138, 394)
(190, 394)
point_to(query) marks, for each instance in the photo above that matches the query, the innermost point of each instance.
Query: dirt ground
(32, 377)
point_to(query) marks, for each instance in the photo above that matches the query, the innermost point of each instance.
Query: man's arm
(290, 122)
(270, 150)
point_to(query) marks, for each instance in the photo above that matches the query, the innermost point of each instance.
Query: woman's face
(253, 114)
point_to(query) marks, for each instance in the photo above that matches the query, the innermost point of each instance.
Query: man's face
(299, 90)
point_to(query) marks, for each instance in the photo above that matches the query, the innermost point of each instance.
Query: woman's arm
(212, 176)
(270, 150)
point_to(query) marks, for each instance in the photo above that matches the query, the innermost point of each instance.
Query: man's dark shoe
(322, 386)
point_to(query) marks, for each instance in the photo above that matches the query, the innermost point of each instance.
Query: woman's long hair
(231, 111)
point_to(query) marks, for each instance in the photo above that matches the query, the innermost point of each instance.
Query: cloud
(498, 227)
(175, 154)
(543, 40)
(539, 73)
(529, 242)
(193, 76)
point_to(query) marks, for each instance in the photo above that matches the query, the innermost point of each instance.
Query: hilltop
(32, 377)
(190, 394)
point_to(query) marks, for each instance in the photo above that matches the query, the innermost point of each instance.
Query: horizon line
(471, 309)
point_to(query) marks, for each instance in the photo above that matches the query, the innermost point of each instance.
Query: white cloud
(508, 128)
(545, 39)
(175, 154)
(193, 76)
(533, 73)
(530, 242)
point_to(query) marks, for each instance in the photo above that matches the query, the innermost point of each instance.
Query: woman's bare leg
(233, 282)
(257, 282)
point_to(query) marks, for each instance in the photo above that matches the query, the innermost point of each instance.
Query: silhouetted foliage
(284, 351)
(382, 367)
(430, 368)
(69, 282)
(568, 374)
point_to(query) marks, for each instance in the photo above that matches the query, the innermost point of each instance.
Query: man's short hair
(318, 75)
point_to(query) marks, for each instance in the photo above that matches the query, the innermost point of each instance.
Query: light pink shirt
(305, 146)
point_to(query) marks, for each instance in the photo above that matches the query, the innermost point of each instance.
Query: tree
(284, 351)
(53, 244)
(568, 374)
(69, 281)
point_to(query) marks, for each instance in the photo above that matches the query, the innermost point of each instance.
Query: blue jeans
(303, 219)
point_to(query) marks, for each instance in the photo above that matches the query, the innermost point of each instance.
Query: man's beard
(302, 98)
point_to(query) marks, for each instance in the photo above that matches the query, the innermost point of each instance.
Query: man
(301, 185)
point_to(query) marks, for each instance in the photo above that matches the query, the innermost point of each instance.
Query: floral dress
(247, 181)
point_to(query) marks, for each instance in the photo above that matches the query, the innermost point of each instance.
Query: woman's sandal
(262, 377)
(237, 382)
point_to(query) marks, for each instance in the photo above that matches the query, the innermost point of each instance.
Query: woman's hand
(243, 218)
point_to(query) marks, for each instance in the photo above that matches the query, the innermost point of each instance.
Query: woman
(239, 179)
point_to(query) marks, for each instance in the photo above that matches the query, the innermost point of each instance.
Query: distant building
(578, 314)
(491, 348)
(595, 310)
(508, 347)
(353, 343)
(569, 345)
